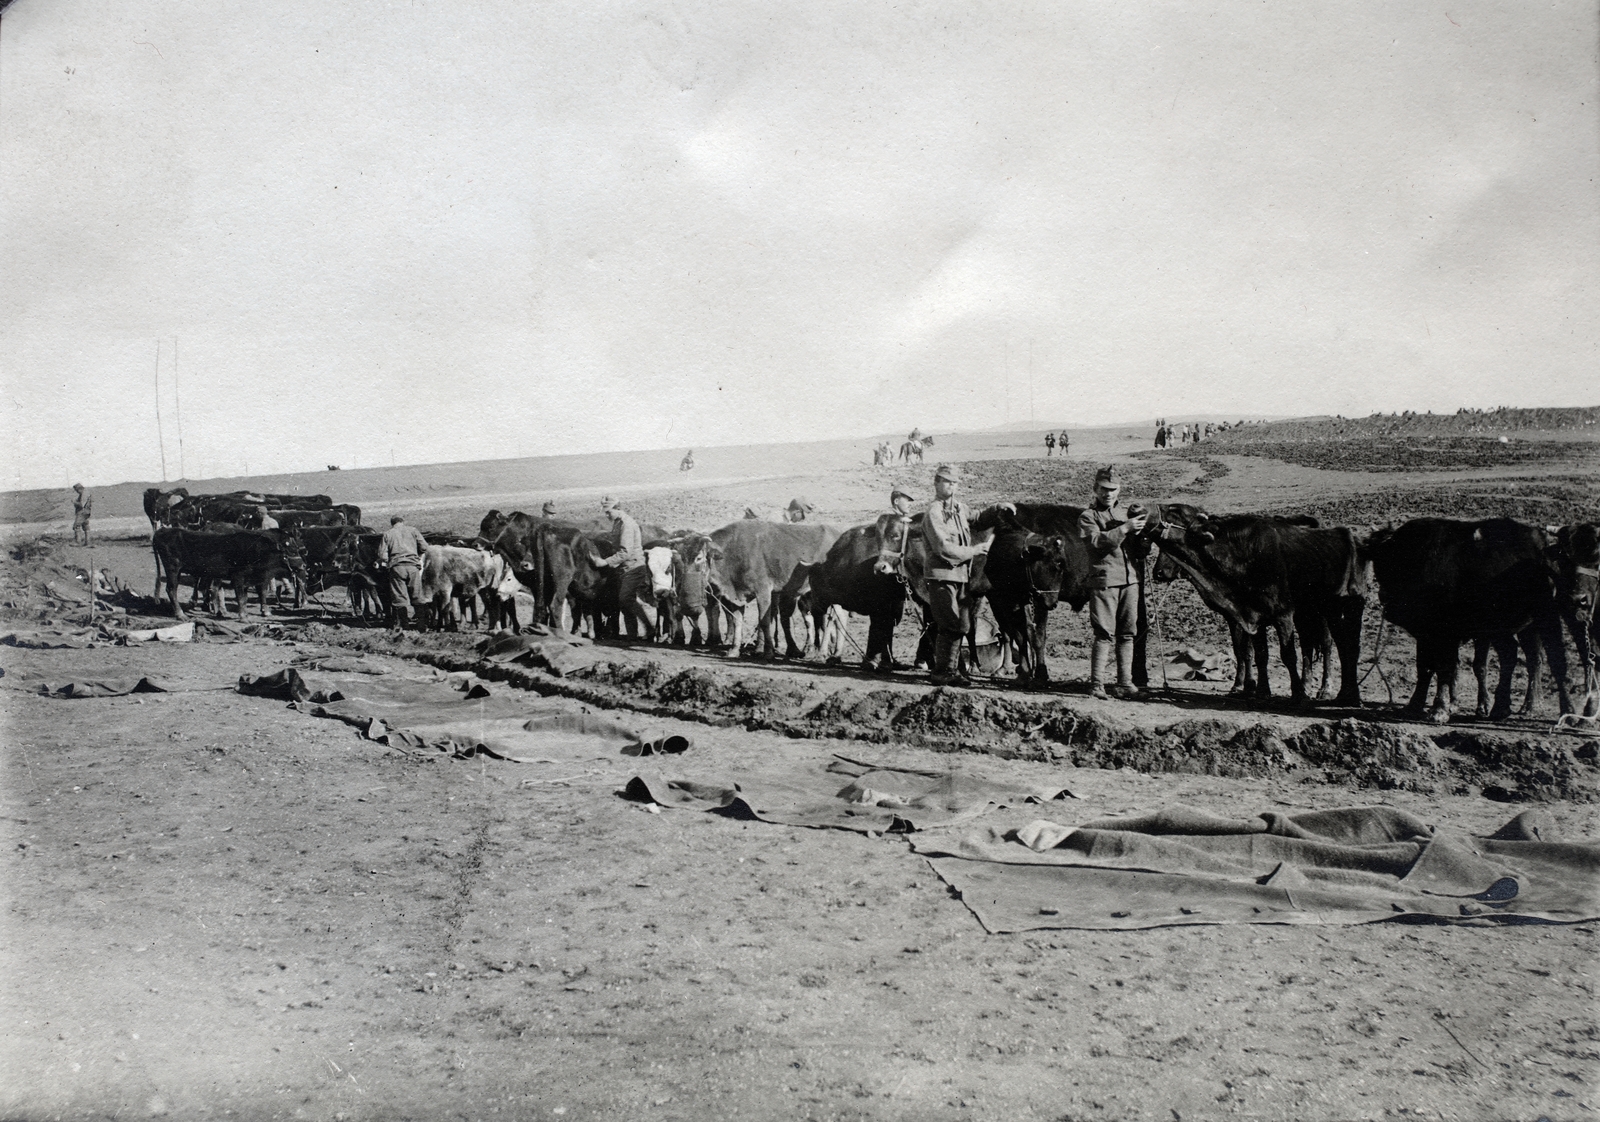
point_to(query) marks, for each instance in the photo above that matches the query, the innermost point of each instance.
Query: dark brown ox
(1250, 652)
(1023, 577)
(851, 577)
(248, 558)
(1259, 572)
(1447, 581)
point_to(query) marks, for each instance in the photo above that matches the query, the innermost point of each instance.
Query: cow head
(894, 535)
(659, 561)
(493, 522)
(1046, 561)
(293, 548)
(1576, 554)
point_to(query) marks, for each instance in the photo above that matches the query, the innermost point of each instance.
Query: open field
(218, 906)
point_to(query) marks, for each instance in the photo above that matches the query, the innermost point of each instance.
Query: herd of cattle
(1498, 583)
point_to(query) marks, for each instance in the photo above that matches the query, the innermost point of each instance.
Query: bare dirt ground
(216, 906)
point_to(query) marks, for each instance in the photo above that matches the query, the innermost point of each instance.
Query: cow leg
(1037, 637)
(1480, 671)
(1141, 638)
(1418, 703)
(1505, 651)
(1528, 640)
(767, 611)
(1345, 630)
(786, 608)
(1259, 645)
(1289, 651)
(1556, 650)
(1243, 683)
(880, 641)
(1447, 665)
(172, 592)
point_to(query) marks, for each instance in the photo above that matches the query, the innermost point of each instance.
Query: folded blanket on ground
(103, 687)
(1183, 866)
(878, 801)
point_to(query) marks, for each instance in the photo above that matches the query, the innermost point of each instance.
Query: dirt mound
(852, 707)
(1366, 754)
(692, 688)
(1524, 769)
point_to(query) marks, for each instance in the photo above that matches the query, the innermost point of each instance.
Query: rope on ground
(1377, 651)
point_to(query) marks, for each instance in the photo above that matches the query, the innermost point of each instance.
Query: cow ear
(1206, 536)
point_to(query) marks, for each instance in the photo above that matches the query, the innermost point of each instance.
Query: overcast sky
(445, 231)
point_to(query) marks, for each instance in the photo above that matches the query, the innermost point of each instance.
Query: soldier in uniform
(1114, 604)
(948, 534)
(400, 552)
(82, 509)
(634, 582)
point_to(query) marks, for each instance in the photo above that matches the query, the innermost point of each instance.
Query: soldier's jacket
(1106, 532)
(949, 537)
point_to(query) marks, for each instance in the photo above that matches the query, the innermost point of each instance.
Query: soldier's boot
(1099, 658)
(1125, 688)
(939, 665)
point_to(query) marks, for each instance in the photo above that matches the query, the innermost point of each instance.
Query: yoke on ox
(246, 558)
(1446, 581)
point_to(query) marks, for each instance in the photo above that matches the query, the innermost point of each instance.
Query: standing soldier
(400, 551)
(948, 535)
(1061, 442)
(634, 580)
(82, 507)
(1049, 444)
(1114, 604)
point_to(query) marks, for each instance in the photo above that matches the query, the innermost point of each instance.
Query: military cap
(801, 505)
(393, 518)
(548, 508)
(952, 472)
(1108, 474)
(898, 491)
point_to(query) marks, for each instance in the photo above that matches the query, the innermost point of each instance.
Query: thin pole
(159, 434)
(1030, 381)
(182, 474)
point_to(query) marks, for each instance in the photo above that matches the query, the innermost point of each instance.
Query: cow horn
(1553, 530)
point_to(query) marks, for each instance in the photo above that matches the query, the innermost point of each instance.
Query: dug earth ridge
(1154, 738)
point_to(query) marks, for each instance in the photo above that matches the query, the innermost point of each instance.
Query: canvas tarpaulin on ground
(844, 796)
(1182, 866)
(560, 654)
(458, 714)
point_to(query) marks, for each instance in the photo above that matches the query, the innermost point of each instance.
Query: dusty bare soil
(216, 906)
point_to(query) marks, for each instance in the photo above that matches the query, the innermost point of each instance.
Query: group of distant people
(1168, 436)
(1052, 441)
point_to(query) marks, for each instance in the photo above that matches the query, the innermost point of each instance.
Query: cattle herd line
(1498, 583)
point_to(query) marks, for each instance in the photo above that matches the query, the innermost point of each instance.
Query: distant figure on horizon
(688, 461)
(1049, 444)
(1061, 441)
(82, 507)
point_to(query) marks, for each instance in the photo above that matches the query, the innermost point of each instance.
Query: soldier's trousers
(402, 582)
(1114, 612)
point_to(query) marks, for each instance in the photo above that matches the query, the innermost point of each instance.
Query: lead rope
(1377, 649)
